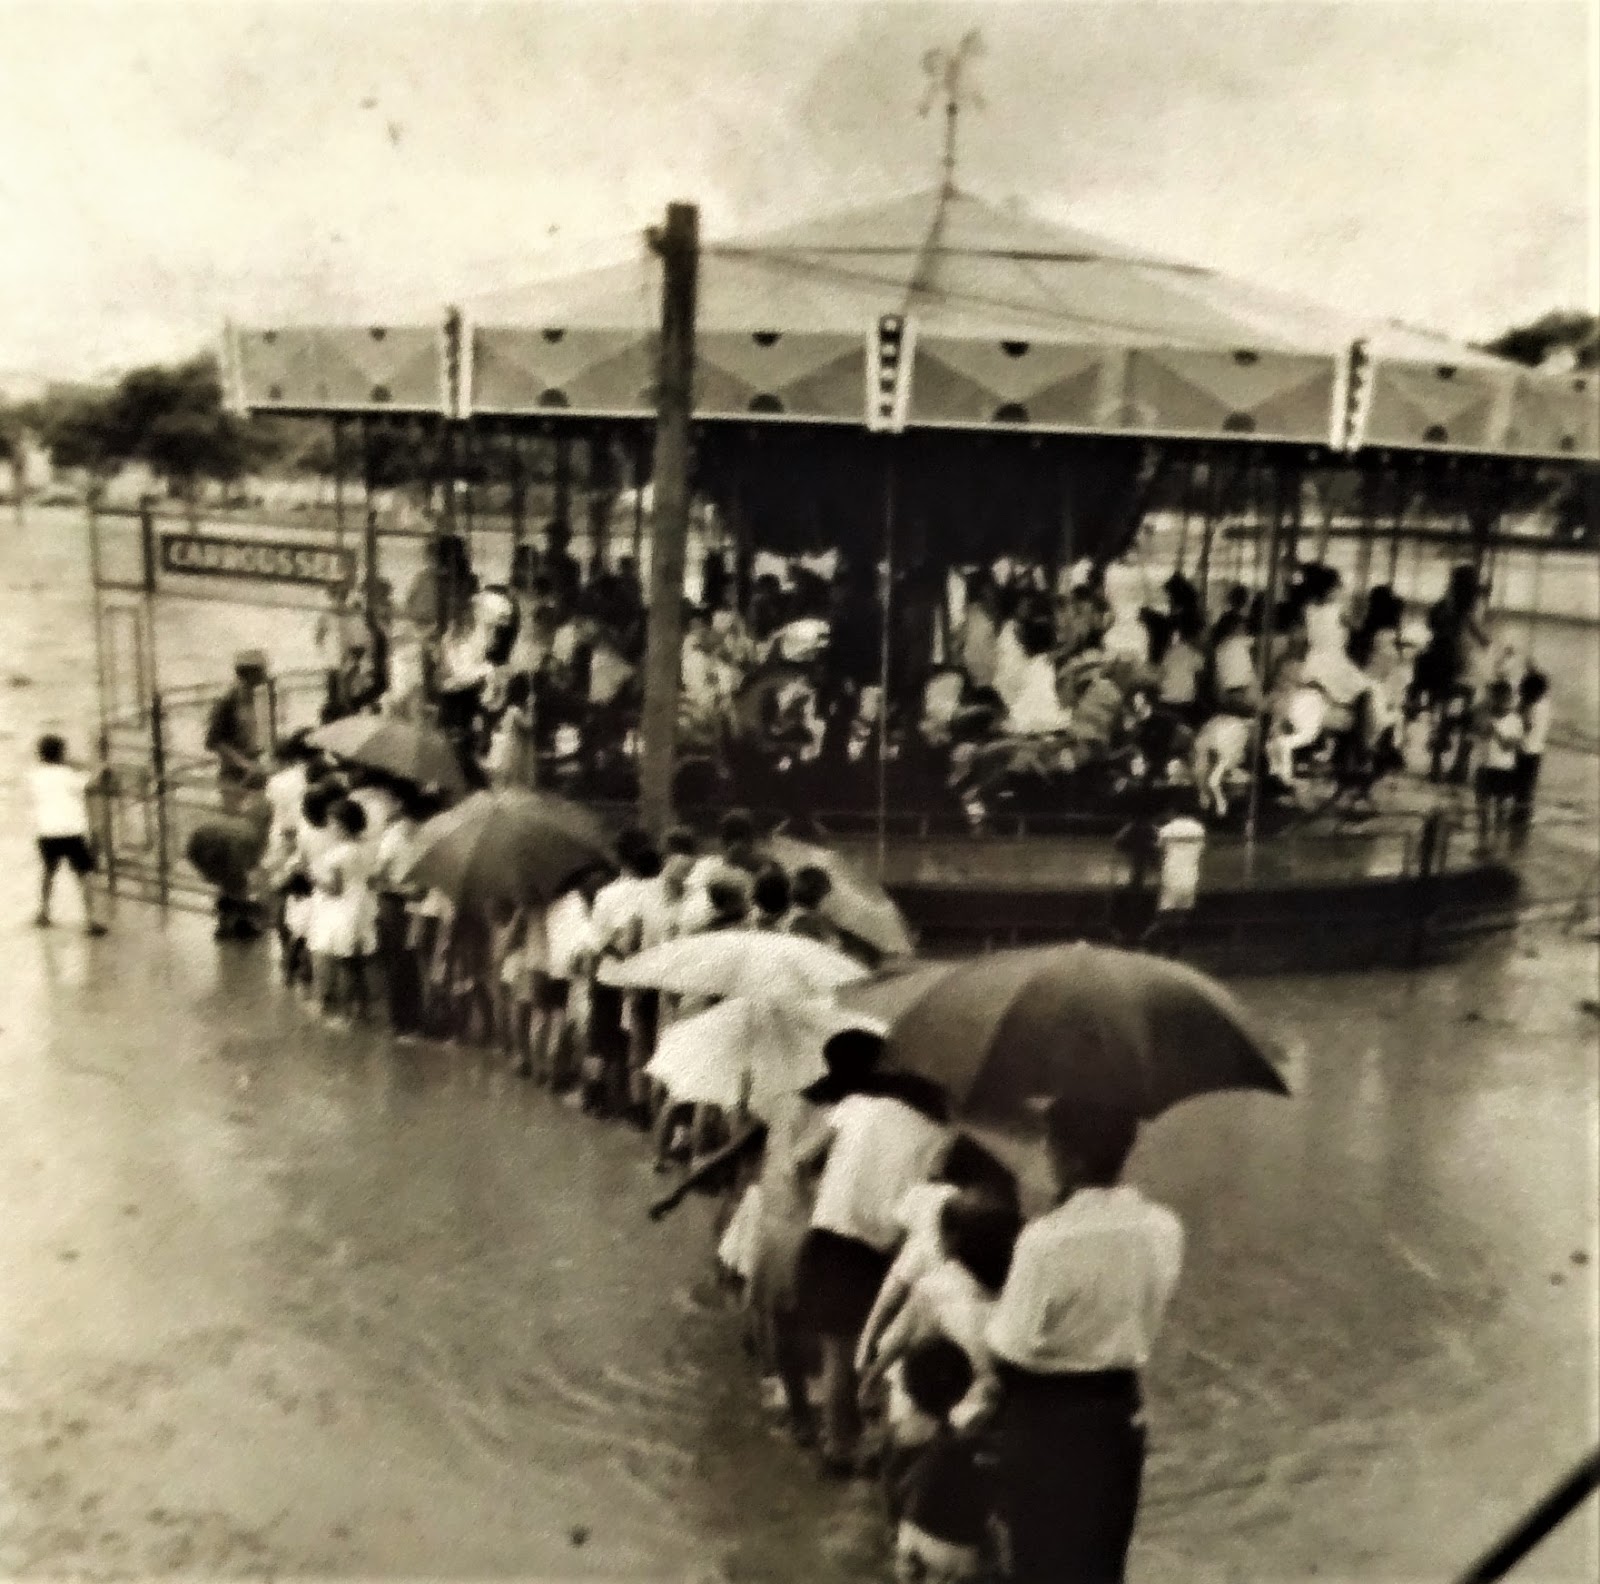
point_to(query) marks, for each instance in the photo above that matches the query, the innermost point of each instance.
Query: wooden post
(678, 244)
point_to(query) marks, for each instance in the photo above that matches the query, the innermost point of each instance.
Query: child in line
(952, 1298)
(60, 792)
(1534, 699)
(1500, 738)
(936, 1492)
(346, 920)
(809, 889)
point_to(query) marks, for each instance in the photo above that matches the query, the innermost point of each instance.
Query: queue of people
(910, 1326)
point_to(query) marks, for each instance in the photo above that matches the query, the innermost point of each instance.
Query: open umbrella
(748, 1052)
(856, 905)
(402, 748)
(1085, 1023)
(512, 843)
(755, 963)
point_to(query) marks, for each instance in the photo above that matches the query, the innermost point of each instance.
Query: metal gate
(146, 563)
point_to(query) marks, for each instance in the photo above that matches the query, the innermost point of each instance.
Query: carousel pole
(678, 244)
(636, 461)
(1186, 500)
(885, 654)
(1264, 658)
(1208, 528)
(1402, 492)
(519, 494)
(338, 482)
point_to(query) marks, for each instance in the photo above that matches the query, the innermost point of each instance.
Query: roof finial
(946, 72)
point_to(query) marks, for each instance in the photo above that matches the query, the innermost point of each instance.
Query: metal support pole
(885, 656)
(1402, 491)
(338, 482)
(158, 771)
(1264, 658)
(678, 244)
(1208, 529)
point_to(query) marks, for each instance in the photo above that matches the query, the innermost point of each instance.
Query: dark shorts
(73, 851)
(837, 1281)
(550, 995)
(1496, 783)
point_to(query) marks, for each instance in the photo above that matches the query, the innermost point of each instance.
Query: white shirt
(616, 912)
(1010, 662)
(1037, 708)
(397, 849)
(1182, 841)
(1501, 742)
(569, 933)
(1089, 1284)
(1235, 664)
(658, 914)
(380, 806)
(948, 1300)
(60, 800)
(880, 1148)
(918, 1212)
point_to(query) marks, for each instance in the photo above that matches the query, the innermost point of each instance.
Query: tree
(169, 418)
(1561, 329)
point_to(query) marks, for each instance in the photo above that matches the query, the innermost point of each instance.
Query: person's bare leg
(92, 923)
(47, 878)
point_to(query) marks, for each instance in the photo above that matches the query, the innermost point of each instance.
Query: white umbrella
(758, 964)
(747, 1053)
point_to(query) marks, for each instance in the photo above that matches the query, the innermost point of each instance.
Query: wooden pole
(678, 245)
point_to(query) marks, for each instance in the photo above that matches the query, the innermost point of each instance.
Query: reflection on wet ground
(279, 1301)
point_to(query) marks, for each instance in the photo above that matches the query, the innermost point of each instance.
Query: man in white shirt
(874, 1148)
(60, 792)
(1088, 1288)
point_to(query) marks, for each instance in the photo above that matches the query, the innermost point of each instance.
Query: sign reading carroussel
(266, 560)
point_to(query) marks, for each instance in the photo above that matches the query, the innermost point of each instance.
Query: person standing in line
(1075, 1323)
(60, 791)
(234, 731)
(871, 1147)
(1501, 734)
(1537, 709)
(394, 925)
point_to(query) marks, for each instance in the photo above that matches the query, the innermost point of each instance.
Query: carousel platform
(1323, 894)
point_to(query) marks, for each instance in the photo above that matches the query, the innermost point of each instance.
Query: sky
(166, 166)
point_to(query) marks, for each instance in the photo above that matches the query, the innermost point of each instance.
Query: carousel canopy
(938, 311)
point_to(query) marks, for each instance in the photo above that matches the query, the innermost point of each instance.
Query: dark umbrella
(517, 844)
(405, 749)
(1084, 1023)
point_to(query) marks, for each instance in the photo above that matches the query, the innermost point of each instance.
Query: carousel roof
(994, 317)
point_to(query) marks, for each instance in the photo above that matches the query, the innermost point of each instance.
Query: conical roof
(1011, 319)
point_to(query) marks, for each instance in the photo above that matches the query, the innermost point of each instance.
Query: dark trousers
(607, 1086)
(402, 980)
(1524, 785)
(1069, 1462)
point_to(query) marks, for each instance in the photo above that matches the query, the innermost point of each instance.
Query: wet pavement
(280, 1301)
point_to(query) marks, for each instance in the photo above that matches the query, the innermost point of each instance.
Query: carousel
(1005, 536)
